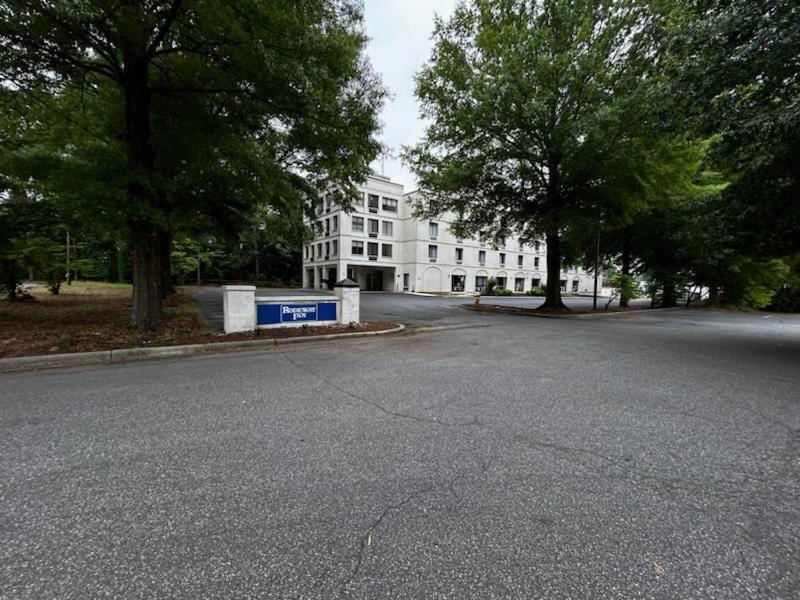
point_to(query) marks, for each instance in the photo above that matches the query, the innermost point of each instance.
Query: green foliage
(622, 286)
(493, 289)
(29, 241)
(749, 283)
(164, 118)
(538, 112)
(540, 291)
(735, 77)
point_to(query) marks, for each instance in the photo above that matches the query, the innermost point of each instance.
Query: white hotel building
(383, 247)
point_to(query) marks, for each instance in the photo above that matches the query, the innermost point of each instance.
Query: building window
(335, 247)
(358, 248)
(327, 227)
(536, 262)
(358, 224)
(372, 203)
(519, 260)
(480, 283)
(311, 248)
(502, 259)
(319, 250)
(390, 204)
(335, 223)
(536, 283)
(372, 250)
(482, 257)
(575, 286)
(433, 230)
(536, 246)
(457, 283)
(433, 253)
(459, 255)
(306, 251)
(373, 227)
(501, 283)
(327, 204)
(482, 235)
(519, 284)
(388, 228)
(386, 250)
(563, 285)
(406, 282)
(327, 249)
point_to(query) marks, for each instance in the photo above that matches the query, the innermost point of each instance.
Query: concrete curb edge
(591, 315)
(19, 364)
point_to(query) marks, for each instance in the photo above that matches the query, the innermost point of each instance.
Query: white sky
(400, 32)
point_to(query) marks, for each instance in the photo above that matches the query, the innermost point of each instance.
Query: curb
(20, 364)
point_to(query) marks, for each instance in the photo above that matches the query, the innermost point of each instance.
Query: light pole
(259, 227)
(596, 265)
(69, 275)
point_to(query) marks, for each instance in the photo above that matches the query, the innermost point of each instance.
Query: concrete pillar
(239, 308)
(349, 295)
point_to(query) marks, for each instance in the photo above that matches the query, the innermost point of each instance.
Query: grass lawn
(88, 316)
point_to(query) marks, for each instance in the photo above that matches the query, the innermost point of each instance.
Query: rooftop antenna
(386, 152)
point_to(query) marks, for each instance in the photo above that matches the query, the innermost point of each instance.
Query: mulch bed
(280, 333)
(539, 312)
(88, 317)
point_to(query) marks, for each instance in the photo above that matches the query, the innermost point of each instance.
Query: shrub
(540, 291)
(491, 285)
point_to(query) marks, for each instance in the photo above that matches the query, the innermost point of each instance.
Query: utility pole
(69, 275)
(596, 266)
(198, 265)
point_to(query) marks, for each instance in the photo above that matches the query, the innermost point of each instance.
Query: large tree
(535, 110)
(736, 76)
(273, 97)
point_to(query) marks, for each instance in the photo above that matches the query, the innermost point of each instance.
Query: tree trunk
(144, 234)
(553, 293)
(165, 244)
(669, 296)
(11, 280)
(146, 259)
(626, 270)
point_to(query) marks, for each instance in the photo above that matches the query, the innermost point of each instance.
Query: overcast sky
(400, 32)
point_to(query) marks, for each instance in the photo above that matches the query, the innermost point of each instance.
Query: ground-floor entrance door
(457, 283)
(332, 279)
(375, 281)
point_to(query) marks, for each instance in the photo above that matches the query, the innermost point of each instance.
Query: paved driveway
(647, 456)
(408, 309)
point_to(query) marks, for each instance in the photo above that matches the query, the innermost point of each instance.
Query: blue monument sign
(287, 313)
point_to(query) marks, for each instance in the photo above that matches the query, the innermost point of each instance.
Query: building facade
(383, 247)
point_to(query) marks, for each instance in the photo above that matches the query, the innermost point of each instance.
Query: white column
(239, 307)
(349, 295)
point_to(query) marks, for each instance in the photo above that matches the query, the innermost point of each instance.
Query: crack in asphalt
(400, 415)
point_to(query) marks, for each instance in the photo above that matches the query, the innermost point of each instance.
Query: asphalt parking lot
(654, 455)
(409, 309)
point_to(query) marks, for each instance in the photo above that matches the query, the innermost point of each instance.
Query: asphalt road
(645, 456)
